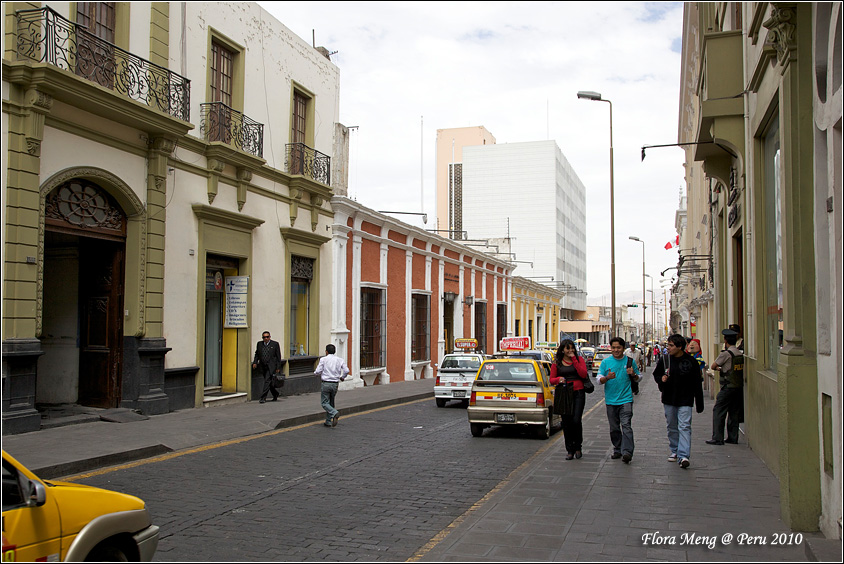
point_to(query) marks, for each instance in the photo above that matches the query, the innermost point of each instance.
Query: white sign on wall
(236, 302)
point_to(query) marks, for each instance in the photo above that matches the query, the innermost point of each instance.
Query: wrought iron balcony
(45, 36)
(301, 159)
(221, 123)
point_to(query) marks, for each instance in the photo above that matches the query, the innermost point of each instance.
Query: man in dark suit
(268, 356)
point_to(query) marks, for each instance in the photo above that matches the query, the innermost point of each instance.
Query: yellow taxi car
(58, 521)
(513, 391)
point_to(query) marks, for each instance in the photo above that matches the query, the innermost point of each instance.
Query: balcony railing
(301, 159)
(45, 36)
(221, 123)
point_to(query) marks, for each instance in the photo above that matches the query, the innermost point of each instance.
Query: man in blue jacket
(616, 373)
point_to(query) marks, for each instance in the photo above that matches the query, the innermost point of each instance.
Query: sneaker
(684, 463)
(627, 457)
(673, 457)
(616, 455)
(334, 420)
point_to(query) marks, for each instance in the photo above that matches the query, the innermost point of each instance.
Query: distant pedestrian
(568, 374)
(332, 370)
(268, 357)
(636, 354)
(616, 373)
(678, 378)
(648, 353)
(729, 404)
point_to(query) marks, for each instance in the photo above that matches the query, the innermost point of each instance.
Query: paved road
(379, 486)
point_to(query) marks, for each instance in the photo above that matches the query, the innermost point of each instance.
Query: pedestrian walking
(678, 378)
(332, 370)
(729, 404)
(268, 357)
(636, 354)
(615, 374)
(568, 374)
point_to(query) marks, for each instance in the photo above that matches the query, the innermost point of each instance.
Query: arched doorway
(84, 266)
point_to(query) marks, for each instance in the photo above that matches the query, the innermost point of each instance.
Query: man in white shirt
(332, 370)
(636, 355)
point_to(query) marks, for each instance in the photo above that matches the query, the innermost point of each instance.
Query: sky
(408, 69)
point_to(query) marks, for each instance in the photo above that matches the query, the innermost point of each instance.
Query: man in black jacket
(268, 357)
(678, 377)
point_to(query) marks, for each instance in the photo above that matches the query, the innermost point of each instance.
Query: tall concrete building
(530, 194)
(450, 143)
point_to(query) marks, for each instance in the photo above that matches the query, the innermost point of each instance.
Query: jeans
(621, 428)
(572, 425)
(329, 391)
(678, 419)
(727, 403)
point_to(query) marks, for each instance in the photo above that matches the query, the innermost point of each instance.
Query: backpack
(735, 377)
(634, 385)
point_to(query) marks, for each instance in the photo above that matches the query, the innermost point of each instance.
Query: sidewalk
(61, 451)
(599, 509)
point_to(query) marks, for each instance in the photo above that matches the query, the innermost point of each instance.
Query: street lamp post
(644, 307)
(653, 306)
(595, 96)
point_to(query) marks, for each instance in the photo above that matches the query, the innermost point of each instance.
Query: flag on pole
(674, 243)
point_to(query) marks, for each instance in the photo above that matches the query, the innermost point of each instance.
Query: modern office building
(530, 194)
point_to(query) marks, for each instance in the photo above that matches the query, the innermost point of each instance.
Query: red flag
(668, 245)
(677, 241)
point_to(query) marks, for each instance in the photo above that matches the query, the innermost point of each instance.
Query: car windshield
(508, 371)
(469, 362)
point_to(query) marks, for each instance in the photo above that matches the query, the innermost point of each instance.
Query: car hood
(80, 504)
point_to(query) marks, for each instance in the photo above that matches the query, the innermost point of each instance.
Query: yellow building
(535, 311)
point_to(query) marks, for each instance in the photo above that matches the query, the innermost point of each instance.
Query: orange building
(401, 295)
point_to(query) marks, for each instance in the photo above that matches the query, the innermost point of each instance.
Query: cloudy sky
(410, 68)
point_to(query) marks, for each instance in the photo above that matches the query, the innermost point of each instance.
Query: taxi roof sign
(514, 344)
(465, 343)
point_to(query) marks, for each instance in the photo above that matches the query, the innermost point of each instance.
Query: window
(95, 51)
(480, 325)
(222, 71)
(373, 334)
(421, 323)
(773, 246)
(98, 17)
(302, 272)
(300, 116)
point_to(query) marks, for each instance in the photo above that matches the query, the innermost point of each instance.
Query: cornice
(239, 221)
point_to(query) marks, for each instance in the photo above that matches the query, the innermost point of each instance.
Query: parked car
(513, 391)
(454, 377)
(600, 355)
(51, 521)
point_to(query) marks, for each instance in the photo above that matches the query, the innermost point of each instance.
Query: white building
(530, 193)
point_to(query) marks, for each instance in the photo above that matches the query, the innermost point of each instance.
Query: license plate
(459, 394)
(505, 417)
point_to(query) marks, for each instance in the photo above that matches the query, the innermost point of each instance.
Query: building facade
(166, 200)
(761, 101)
(547, 228)
(402, 295)
(537, 311)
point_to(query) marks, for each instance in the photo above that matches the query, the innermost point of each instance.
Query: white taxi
(455, 376)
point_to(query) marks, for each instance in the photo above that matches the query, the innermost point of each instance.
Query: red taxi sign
(514, 344)
(465, 343)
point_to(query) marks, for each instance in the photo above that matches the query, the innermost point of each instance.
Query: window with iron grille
(480, 325)
(373, 330)
(222, 71)
(421, 323)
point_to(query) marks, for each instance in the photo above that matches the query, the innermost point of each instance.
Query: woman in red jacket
(568, 374)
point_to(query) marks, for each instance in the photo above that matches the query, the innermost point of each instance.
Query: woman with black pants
(568, 374)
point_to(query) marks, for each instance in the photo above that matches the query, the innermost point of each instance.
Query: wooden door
(95, 59)
(101, 269)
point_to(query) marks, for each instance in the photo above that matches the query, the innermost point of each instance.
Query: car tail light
(540, 399)
(438, 381)
(472, 398)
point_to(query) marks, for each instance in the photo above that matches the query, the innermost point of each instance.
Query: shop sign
(236, 302)
(465, 343)
(514, 344)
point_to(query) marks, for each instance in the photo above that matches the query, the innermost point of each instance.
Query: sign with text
(237, 304)
(465, 343)
(514, 344)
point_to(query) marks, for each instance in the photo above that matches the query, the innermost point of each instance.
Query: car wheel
(440, 402)
(544, 431)
(107, 553)
(477, 429)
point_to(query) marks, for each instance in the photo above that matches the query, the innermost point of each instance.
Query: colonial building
(401, 295)
(536, 311)
(166, 200)
(760, 120)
